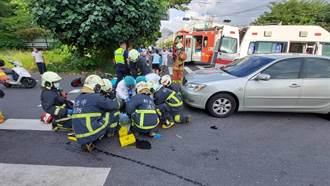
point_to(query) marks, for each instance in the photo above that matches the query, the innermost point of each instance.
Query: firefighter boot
(168, 124)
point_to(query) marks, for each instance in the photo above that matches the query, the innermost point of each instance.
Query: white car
(279, 83)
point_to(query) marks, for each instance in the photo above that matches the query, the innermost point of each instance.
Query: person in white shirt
(164, 54)
(39, 60)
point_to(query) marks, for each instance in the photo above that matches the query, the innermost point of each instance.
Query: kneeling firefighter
(54, 102)
(107, 91)
(91, 118)
(142, 110)
(170, 105)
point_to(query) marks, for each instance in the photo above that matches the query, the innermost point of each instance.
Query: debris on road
(143, 144)
(214, 127)
(179, 136)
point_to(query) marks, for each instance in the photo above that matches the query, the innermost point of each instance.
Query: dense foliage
(300, 12)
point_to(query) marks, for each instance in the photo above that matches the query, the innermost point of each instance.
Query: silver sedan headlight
(195, 86)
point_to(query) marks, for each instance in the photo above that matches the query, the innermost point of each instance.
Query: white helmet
(142, 88)
(48, 78)
(166, 80)
(107, 87)
(93, 82)
(133, 55)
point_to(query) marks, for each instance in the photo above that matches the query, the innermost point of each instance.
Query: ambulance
(284, 39)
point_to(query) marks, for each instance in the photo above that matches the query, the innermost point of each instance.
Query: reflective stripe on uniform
(89, 126)
(177, 103)
(115, 124)
(58, 109)
(119, 56)
(142, 113)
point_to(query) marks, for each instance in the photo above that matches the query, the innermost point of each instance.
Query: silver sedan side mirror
(262, 77)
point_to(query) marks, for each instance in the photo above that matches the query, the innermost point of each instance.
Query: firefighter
(54, 102)
(138, 64)
(166, 81)
(120, 62)
(171, 106)
(179, 56)
(91, 116)
(142, 111)
(126, 88)
(107, 91)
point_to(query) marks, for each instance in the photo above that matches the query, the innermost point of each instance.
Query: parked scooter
(16, 77)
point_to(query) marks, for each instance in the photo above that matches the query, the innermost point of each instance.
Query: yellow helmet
(107, 87)
(142, 88)
(48, 78)
(133, 55)
(92, 83)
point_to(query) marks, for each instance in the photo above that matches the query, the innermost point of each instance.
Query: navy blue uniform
(143, 113)
(171, 105)
(91, 118)
(143, 66)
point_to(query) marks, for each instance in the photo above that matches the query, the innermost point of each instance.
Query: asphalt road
(245, 149)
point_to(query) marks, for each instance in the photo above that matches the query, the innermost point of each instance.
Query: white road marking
(188, 69)
(200, 67)
(170, 70)
(74, 91)
(40, 175)
(25, 124)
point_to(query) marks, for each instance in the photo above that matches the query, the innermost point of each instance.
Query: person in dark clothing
(142, 111)
(120, 61)
(92, 113)
(53, 100)
(171, 107)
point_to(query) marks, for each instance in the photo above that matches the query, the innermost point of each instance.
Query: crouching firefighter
(107, 91)
(54, 102)
(91, 115)
(142, 111)
(170, 105)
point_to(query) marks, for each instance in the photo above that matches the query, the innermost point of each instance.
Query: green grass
(25, 57)
(58, 60)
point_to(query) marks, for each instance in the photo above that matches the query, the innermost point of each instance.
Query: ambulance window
(205, 42)
(267, 47)
(252, 48)
(229, 45)
(326, 49)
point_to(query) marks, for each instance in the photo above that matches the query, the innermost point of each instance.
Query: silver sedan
(279, 83)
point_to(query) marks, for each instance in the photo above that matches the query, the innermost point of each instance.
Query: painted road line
(25, 124)
(170, 70)
(188, 69)
(200, 67)
(40, 175)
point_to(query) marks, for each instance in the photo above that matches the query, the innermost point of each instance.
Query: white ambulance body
(284, 39)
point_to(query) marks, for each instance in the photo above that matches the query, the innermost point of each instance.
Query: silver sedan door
(316, 84)
(281, 91)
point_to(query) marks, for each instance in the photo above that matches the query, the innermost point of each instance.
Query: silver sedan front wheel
(221, 105)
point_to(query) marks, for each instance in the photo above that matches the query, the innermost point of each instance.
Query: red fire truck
(199, 44)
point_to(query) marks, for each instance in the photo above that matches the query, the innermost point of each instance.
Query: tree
(16, 24)
(300, 12)
(91, 24)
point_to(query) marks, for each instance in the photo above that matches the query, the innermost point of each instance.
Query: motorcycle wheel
(28, 82)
